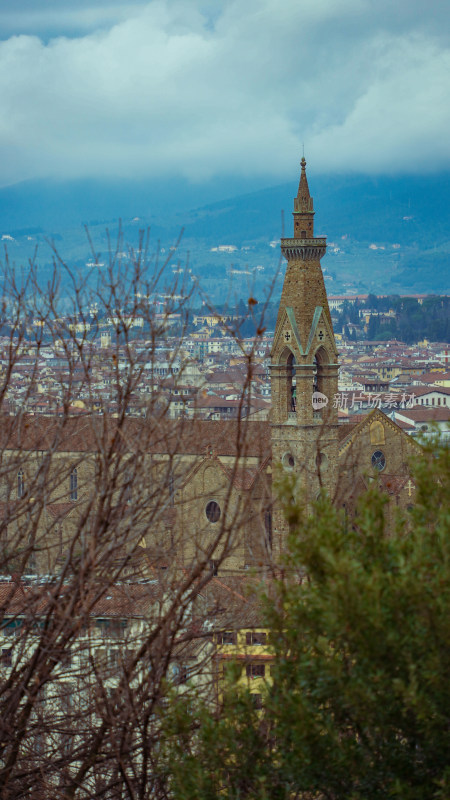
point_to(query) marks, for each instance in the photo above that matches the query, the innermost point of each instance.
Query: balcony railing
(317, 241)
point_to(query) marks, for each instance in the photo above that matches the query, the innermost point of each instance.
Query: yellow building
(244, 656)
(444, 380)
(241, 653)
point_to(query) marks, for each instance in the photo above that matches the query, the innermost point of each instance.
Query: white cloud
(172, 89)
(402, 118)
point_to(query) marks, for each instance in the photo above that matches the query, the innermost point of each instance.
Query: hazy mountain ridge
(386, 234)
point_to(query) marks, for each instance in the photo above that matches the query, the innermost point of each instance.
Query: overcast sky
(204, 88)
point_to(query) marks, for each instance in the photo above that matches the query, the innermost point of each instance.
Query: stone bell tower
(304, 368)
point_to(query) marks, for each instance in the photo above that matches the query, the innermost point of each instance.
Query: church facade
(200, 492)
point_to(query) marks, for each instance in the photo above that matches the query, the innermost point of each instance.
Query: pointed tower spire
(303, 203)
(303, 208)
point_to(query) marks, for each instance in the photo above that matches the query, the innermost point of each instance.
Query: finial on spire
(303, 162)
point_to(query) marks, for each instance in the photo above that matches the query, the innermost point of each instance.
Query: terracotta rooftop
(232, 602)
(418, 391)
(427, 414)
(214, 401)
(405, 426)
(126, 600)
(89, 433)
(345, 429)
(428, 377)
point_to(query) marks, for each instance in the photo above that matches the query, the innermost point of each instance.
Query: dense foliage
(411, 319)
(359, 706)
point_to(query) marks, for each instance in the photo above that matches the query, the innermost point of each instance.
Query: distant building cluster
(205, 373)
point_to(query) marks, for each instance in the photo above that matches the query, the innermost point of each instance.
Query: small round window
(289, 460)
(378, 460)
(212, 511)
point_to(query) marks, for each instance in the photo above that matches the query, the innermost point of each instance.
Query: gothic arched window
(316, 375)
(320, 361)
(128, 485)
(292, 385)
(20, 483)
(268, 528)
(376, 433)
(74, 484)
(59, 535)
(171, 489)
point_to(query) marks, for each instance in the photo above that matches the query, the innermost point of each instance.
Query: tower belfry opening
(291, 393)
(316, 376)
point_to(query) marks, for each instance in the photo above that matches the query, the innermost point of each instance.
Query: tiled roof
(418, 391)
(405, 426)
(346, 428)
(152, 435)
(428, 377)
(231, 602)
(127, 600)
(213, 401)
(427, 414)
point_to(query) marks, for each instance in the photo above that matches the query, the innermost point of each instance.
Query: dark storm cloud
(203, 88)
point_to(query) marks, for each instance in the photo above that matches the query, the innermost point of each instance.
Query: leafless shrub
(102, 563)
